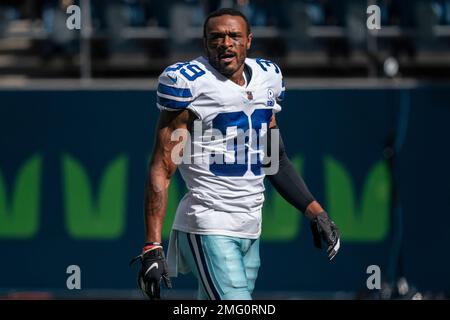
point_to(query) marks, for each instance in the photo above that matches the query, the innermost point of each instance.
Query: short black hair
(226, 12)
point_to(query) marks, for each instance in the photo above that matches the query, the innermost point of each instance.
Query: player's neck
(238, 76)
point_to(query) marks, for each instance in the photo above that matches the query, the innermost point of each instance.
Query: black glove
(153, 269)
(323, 228)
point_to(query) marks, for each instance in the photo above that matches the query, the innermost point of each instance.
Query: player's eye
(216, 36)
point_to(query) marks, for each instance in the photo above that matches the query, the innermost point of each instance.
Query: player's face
(226, 43)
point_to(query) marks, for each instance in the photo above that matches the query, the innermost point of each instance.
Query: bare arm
(161, 169)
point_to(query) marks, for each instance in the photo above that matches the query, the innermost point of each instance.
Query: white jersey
(226, 187)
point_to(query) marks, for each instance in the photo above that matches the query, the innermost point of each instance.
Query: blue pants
(226, 267)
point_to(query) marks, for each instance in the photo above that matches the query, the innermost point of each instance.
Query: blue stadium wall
(73, 164)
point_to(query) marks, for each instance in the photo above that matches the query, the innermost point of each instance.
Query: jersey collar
(203, 60)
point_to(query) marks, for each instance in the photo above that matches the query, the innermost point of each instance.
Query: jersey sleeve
(174, 93)
(274, 79)
(280, 97)
(280, 90)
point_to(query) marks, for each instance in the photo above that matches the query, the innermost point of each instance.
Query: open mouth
(227, 57)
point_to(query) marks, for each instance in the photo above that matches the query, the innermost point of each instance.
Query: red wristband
(151, 247)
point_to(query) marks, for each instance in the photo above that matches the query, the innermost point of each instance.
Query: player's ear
(249, 41)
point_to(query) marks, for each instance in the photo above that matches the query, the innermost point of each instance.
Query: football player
(217, 225)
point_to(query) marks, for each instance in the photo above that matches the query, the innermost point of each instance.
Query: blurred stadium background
(366, 120)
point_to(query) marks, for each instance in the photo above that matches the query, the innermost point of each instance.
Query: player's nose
(227, 41)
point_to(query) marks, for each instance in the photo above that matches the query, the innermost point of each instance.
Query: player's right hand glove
(153, 270)
(323, 228)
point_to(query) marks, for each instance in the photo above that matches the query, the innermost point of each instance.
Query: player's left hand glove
(153, 270)
(323, 228)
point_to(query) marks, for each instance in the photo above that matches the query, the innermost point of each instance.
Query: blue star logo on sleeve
(172, 77)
